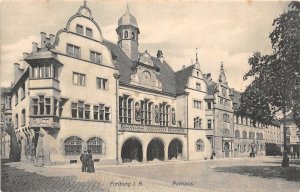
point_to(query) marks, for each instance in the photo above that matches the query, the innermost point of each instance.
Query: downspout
(187, 124)
(117, 76)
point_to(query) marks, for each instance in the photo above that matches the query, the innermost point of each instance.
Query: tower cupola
(128, 32)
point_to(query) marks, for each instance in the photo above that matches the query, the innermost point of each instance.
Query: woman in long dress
(90, 163)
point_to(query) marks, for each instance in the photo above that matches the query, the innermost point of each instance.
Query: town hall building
(78, 91)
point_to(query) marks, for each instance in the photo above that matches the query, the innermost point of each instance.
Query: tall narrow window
(95, 57)
(23, 91)
(126, 34)
(42, 104)
(80, 109)
(47, 106)
(89, 32)
(209, 124)
(17, 97)
(79, 29)
(96, 112)
(198, 86)
(197, 122)
(87, 111)
(73, 50)
(125, 109)
(74, 107)
(102, 83)
(200, 145)
(146, 112)
(78, 79)
(164, 114)
(209, 105)
(35, 105)
(55, 107)
(17, 121)
(23, 117)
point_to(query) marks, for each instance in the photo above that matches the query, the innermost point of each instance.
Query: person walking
(90, 163)
(84, 161)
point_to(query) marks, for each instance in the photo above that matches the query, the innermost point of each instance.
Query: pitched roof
(166, 74)
(182, 78)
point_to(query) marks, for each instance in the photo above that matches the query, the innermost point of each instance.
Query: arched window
(96, 145)
(244, 134)
(237, 134)
(73, 146)
(200, 145)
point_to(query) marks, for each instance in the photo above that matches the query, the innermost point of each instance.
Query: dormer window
(79, 29)
(89, 32)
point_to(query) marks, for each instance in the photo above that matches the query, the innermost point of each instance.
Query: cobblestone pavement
(22, 176)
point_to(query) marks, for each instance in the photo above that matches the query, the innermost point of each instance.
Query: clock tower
(128, 32)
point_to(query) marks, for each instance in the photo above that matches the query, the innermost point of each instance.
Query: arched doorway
(155, 150)
(175, 149)
(132, 149)
(226, 149)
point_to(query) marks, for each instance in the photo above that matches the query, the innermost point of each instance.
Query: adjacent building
(78, 91)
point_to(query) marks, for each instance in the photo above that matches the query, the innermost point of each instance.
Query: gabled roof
(182, 78)
(166, 74)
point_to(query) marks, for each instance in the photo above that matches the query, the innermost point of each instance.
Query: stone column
(144, 153)
(166, 154)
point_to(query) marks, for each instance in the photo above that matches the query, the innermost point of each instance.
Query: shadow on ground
(289, 173)
(292, 161)
(14, 180)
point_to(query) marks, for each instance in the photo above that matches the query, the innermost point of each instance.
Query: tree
(276, 84)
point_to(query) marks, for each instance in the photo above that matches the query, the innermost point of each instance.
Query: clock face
(85, 12)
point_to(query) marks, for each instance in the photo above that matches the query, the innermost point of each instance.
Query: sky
(228, 31)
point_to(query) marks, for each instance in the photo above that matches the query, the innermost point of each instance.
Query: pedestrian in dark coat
(84, 161)
(90, 163)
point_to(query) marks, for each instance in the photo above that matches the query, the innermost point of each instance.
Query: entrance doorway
(155, 150)
(132, 150)
(226, 149)
(175, 149)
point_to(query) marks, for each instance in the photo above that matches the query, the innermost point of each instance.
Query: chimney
(25, 64)
(52, 39)
(43, 39)
(160, 56)
(34, 47)
(183, 66)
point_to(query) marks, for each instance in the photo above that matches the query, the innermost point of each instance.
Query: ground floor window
(95, 144)
(73, 146)
(200, 145)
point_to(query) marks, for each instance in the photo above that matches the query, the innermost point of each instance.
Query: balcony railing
(151, 129)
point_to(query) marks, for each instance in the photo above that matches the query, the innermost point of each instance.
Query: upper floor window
(79, 29)
(209, 124)
(133, 35)
(102, 83)
(101, 112)
(221, 101)
(23, 117)
(173, 116)
(44, 71)
(41, 105)
(73, 50)
(126, 34)
(225, 117)
(197, 122)
(164, 114)
(237, 134)
(198, 86)
(95, 57)
(224, 92)
(209, 105)
(146, 112)
(125, 109)
(78, 79)
(17, 97)
(89, 32)
(80, 110)
(197, 104)
(23, 91)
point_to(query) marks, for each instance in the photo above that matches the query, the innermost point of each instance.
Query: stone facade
(78, 91)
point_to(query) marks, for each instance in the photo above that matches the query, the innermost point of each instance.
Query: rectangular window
(23, 117)
(89, 32)
(198, 86)
(125, 109)
(23, 91)
(197, 104)
(73, 51)
(35, 104)
(41, 71)
(101, 112)
(55, 107)
(87, 111)
(17, 121)
(80, 109)
(95, 57)
(48, 106)
(96, 112)
(164, 114)
(42, 104)
(74, 107)
(17, 97)
(209, 105)
(197, 122)
(102, 83)
(146, 112)
(79, 29)
(78, 79)
(209, 124)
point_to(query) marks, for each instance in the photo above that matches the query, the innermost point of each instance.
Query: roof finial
(127, 7)
(84, 2)
(222, 66)
(196, 55)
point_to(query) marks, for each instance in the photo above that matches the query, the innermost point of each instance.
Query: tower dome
(127, 19)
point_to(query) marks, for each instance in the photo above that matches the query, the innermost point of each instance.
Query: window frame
(73, 53)
(79, 79)
(200, 145)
